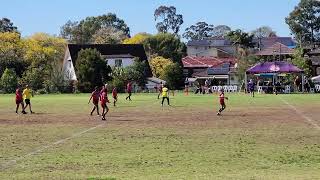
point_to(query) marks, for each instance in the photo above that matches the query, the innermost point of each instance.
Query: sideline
(312, 122)
(12, 162)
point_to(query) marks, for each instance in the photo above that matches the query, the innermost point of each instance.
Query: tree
(108, 35)
(42, 49)
(220, 31)
(11, 53)
(199, 31)
(139, 38)
(138, 72)
(82, 32)
(263, 32)
(158, 65)
(34, 77)
(173, 75)
(9, 81)
(202, 30)
(301, 62)
(7, 26)
(304, 20)
(165, 45)
(71, 31)
(244, 63)
(91, 70)
(168, 19)
(240, 38)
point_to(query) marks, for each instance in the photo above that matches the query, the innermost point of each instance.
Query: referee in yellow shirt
(165, 94)
(27, 94)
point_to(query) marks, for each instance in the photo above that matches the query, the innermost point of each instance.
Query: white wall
(68, 68)
(125, 61)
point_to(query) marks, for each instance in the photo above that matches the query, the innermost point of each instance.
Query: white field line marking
(40, 149)
(312, 122)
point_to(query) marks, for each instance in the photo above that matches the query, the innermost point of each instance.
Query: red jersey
(18, 95)
(221, 97)
(104, 98)
(103, 89)
(95, 95)
(129, 87)
(114, 92)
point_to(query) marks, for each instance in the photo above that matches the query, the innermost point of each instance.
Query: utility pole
(280, 52)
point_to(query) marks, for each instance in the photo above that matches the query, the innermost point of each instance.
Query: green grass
(256, 138)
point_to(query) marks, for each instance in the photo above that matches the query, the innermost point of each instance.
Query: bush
(9, 81)
(173, 75)
(34, 77)
(42, 91)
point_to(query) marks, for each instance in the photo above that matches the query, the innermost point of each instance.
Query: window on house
(118, 63)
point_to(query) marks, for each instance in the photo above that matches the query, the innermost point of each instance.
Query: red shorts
(19, 101)
(95, 101)
(115, 97)
(222, 103)
(103, 104)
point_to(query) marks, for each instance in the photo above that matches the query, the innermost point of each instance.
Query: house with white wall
(115, 55)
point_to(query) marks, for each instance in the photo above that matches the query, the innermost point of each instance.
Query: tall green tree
(7, 26)
(244, 63)
(83, 31)
(304, 20)
(166, 45)
(167, 19)
(203, 30)
(173, 75)
(303, 63)
(91, 70)
(240, 38)
(198, 31)
(139, 72)
(9, 81)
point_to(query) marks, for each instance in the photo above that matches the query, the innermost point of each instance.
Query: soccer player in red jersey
(19, 100)
(114, 96)
(95, 100)
(222, 103)
(104, 100)
(129, 90)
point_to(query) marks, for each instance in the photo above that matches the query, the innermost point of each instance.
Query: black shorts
(27, 101)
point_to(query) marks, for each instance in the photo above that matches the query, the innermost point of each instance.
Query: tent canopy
(316, 79)
(274, 67)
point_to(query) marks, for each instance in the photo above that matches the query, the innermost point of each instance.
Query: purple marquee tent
(273, 67)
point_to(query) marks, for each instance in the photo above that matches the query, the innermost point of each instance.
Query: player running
(114, 96)
(27, 94)
(19, 100)
(104, 100)
(165, 95)
(129, 90)
(95, 100)
(222, 103)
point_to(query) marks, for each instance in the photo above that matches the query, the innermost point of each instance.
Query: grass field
(266, 137)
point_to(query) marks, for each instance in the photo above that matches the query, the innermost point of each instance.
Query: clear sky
(49, 15)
